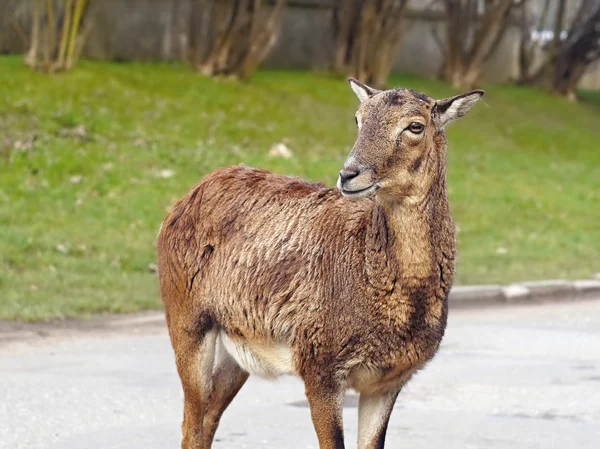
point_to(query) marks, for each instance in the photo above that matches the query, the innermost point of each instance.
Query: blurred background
(110, 110)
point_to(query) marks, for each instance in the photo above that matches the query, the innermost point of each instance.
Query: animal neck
(416, 262)
(421, 231)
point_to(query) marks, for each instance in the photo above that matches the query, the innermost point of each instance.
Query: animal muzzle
(356, 182)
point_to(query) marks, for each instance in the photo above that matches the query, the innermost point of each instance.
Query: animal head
(401, 144)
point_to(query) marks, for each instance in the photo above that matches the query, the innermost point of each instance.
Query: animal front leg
(326, 411)
(374, 412)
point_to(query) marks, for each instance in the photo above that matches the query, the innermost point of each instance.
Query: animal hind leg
(194, 356)
(227, 380)
(374, 412)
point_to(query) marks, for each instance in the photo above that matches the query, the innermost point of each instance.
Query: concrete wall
(155, 30)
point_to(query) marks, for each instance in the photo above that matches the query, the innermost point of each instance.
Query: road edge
(532, 292)
(153, 321)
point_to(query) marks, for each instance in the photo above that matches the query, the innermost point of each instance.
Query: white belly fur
(266, 360)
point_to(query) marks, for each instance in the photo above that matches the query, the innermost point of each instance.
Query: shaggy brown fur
(298, 279)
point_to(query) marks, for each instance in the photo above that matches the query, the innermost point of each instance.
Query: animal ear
(449, 109)
(362, 91)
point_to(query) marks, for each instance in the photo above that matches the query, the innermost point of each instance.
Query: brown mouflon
(346, 288)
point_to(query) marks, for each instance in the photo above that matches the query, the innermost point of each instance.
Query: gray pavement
(511, 377)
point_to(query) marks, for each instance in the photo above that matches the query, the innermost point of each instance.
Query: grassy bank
(91, 160)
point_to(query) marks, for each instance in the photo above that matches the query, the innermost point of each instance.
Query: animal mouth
(360, 193)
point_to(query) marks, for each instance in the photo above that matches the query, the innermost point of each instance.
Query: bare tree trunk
(64, 37)
(194, 40)
(261, 41)
(487, 39)
(528, 49)
(569, 58)
(367, 34)
(44, 34)
(472, 35)
(234, 36)
(72, 50)
(558, 26)
(457, 21)
(50, 34)
(341, 24)
(32, 53)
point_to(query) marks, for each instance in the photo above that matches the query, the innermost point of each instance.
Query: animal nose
(348, 173)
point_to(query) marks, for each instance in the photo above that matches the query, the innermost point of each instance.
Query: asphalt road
(512, 377)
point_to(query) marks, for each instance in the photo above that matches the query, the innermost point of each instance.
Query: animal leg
(374, 412)
(227, 380)
(194, 356)
(325, 403)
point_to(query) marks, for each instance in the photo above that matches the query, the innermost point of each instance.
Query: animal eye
(416, 127)
(356, 120)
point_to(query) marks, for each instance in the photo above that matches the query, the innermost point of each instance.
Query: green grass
(81, 204)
